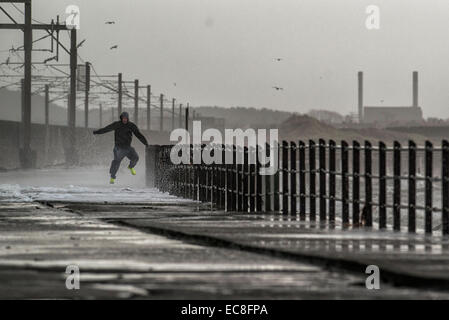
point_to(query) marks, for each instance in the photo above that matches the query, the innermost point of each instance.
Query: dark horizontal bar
(21, 26)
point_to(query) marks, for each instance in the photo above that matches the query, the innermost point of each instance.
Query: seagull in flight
(278, 59)
(109, 22)
(113, 47)
(278, 88)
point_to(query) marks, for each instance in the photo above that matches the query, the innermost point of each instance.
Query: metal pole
(173, 114)
(187, 117)
(47, 105)
(345, 182)
(382, 185)
(284, 177)
(187, 120)
(161, 120)
(368, 186)
(412, 186)
(360, 95)
(26, 120)
(397, 186)
(355, 183)
(86, 95)
(293, 175)
(258, 181)
(322, 177)
(148, 107)
(428, 187)
(71, 156)
(268, 180)
(332, 181)
(302, 180)
(136, 102)
(120, 93)
(312, 181)
(445, 187)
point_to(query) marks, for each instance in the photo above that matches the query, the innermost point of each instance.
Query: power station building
(384, 116)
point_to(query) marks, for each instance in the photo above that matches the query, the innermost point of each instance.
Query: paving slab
(410, 259)
(119, 262)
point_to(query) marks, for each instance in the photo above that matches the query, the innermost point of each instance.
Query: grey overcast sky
(221, 52)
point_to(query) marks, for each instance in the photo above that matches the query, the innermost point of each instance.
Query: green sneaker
(112, 181)
(133, 171)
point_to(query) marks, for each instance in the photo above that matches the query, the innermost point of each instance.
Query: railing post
(345, 182)
(285, 177)
(258, 181)
(239, 181)
(322, 176)
(224, 177)
(136, 101)
(445, 187)
(245, 180)
(293, 175)
(234, 184)
(397, 186)
(355, 183)
(276, 194)
(312, 175)
(186, 181)
(411, 186)
(268, 179)
(202, 176)
(228, 181)
(148, 107)
(194, 174)
(302, 180)
(120, 93)
(429, 187)
(252, 179)
(161, 111)
(332, 169)
(382, 185)
(368, 186)
(213, 183)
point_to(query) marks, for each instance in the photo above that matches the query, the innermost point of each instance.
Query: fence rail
(359, 185)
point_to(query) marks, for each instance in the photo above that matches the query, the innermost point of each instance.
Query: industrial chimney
(415, 88)
(360, 94)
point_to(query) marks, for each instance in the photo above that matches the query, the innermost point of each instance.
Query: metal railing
(374, 186)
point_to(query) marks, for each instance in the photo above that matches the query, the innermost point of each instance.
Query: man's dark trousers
(119, 154)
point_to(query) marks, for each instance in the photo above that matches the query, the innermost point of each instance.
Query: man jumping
(123, 135)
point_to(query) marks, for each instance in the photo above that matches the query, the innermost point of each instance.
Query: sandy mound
(303, 127)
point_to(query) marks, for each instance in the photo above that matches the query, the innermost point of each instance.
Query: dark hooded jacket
(123, 133)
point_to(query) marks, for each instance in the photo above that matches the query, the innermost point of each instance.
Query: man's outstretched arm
(108, 128)
(139, 135)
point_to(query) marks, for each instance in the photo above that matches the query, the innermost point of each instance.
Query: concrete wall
(50, 144)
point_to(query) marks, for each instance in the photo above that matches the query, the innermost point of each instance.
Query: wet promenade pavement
(160, 247)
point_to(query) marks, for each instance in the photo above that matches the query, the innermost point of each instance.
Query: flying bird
(109, 22)
(113, 47)
(174, 83)
(278, 59)
(278, 88)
